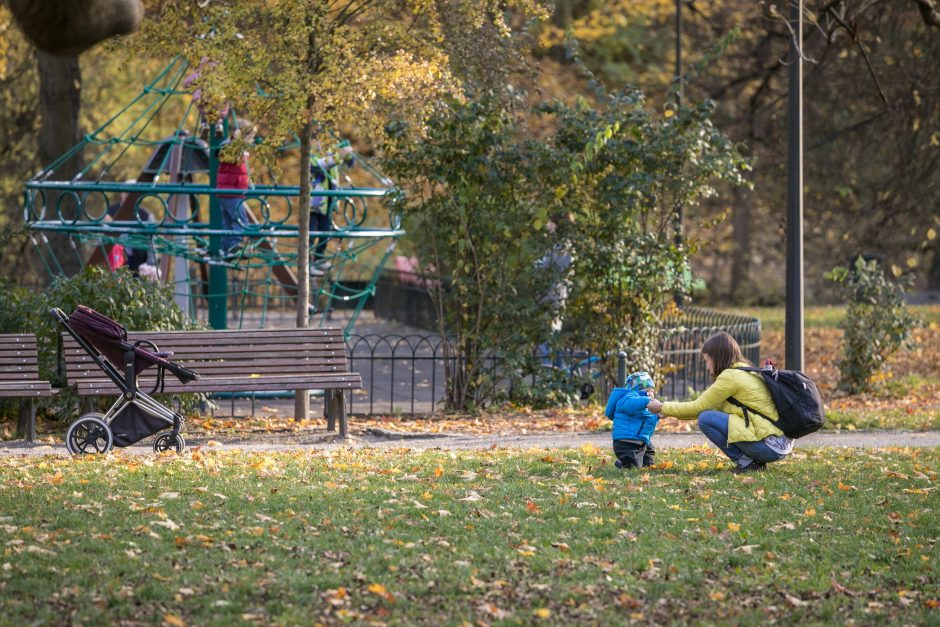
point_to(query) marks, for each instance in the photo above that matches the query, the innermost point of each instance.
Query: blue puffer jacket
(632, 421)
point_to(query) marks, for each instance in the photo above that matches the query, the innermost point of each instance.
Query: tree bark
(741, 254)
(301, 397)
(933, 275)
(60, 100)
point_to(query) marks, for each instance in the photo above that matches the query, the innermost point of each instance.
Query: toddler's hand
(654, 405)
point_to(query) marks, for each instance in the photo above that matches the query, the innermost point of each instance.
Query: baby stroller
(135, 414)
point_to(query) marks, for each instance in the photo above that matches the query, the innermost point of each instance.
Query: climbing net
(147, 196)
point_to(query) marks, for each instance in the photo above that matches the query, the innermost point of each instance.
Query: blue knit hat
(640, 381)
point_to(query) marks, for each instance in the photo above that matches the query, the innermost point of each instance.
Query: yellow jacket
(749, 389)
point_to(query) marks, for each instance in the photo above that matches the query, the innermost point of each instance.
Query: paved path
(323, 440)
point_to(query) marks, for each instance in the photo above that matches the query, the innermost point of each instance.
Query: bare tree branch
(854, 35)
(929, 12)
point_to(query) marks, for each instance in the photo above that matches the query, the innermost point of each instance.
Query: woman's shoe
(752, 467)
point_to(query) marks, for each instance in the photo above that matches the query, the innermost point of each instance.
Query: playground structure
(148, 184)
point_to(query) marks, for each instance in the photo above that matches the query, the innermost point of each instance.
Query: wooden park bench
(236, 361)
(19, 378)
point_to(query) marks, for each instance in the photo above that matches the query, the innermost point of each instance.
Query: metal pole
(218, 276)
(678, 209)
(794, 292)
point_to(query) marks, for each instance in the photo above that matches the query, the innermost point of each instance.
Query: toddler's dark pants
(634, 454)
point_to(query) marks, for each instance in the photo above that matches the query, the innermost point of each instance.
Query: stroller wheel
(169, 442)
(89, 434)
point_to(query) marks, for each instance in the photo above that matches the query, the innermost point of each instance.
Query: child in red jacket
(234, 176)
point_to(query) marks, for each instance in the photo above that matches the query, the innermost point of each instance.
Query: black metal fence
(405, 373)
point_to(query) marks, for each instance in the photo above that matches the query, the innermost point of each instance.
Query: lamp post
(677, 236)
(794, 291)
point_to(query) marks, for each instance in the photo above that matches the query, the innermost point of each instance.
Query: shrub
(472, 187)
(556, 240)
(629, 168)
(876, 324)
(135, 303)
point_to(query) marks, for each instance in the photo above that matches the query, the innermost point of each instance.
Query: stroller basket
(135, 414)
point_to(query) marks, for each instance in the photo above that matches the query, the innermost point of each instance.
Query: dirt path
(379, 439)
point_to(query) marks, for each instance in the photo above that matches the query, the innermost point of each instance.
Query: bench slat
(19, 369)
(241, 353)
(231, 361)
(25, 389)
(234, 384)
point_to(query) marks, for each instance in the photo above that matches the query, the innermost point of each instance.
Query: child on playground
(233, 175)
(633, 422)
(321, 221)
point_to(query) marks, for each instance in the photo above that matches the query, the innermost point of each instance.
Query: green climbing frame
(148, 184)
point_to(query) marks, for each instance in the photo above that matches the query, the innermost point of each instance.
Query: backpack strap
(746, 409)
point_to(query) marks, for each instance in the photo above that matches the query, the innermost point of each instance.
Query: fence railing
(405, 373)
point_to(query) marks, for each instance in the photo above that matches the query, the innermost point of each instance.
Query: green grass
(852, 419)
(773, 318)
(440, 538)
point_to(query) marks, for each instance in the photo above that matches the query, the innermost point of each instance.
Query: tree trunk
(60, 101)
(741, 254)
(933, 275)
(301, 397)
(561, 18)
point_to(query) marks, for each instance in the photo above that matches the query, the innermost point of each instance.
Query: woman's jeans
(714, 424)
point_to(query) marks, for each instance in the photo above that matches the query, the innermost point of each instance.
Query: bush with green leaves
(135, 303)
(876, 323)
(471, 196)
(495, 206)
(628, 169)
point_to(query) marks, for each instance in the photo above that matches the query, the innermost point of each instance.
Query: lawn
(774, 318)
(491, 537)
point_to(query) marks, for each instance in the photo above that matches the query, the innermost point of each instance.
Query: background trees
(871, 110)
(870, 100)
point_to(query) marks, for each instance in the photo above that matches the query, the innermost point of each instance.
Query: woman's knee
(710, 418)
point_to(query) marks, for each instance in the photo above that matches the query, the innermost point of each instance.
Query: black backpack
(796, 397)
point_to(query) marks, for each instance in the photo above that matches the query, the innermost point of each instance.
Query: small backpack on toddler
(796, 397)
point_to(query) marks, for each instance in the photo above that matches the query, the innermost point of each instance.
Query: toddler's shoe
(618, 463)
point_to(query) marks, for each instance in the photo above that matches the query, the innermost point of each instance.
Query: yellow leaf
(438, 471)
(668, 113)
(379, 589)
(254, 376)
(173, 620)
(717, 596)
(543, 613)
(734, 527)
(810, 512)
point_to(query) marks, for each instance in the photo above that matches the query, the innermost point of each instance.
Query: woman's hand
(654, 405)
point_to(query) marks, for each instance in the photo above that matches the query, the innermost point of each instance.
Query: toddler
(633, 422)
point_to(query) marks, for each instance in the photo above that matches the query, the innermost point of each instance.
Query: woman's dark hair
(724, 351)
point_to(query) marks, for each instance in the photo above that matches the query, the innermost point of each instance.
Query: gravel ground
(380, 438)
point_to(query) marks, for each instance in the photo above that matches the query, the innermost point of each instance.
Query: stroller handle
(59, 315)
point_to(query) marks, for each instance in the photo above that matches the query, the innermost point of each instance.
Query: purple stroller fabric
(109, 337)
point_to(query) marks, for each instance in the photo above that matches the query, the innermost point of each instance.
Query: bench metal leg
(328, 410)
(336, 408)
(26, 423)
